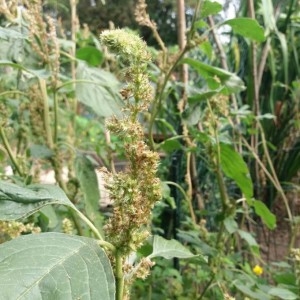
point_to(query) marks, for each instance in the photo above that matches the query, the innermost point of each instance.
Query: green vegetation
(174, 158)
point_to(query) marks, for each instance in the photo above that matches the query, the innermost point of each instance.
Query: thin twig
(10, 152)
(217, 40)
(47, 124)
(188, 200)
(255, 107)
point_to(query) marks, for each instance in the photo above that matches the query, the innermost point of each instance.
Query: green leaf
(210, 8)
(55, 266)
(232, 82)
(247, 27)
(207, 49)
(192, 115)
(202, 96)
(91, 55)
(266, 116)
(2, 154)
(262, 210)
(247, 290)
(169, 249)
(201, 24)
(42, 73)
(231, 225)
(168, 127)
(286, 278)
(100, 91)
(12, 45)
(267, 10)
(40, 151)
(47, 213)
(170, 145)
(235, 168)
(85, 172)
(18, 202)
(285, 55)
(8, 33)
(192, 237)
(282, 293)
(248, 238)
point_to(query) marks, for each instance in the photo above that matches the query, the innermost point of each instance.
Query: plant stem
(255, 104)
(47, 125)
(74, 24)
(279, 187)
(76, 222)
(263, 61)
(206, 287)
(89, 223)
(220, 179)
(159, 96)
(188, 200)
(218, 42)
(55, 105)
(14, 92)
(110, 152)
(161, 87)
(119, 276)
(107, 245)
(224, 65)
(71, 82)
(182, 40)
(10, 152)
(274, 179)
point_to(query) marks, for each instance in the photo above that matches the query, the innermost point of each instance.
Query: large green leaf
(56, 266)
(282, 293)
(202, 96)
(267, 10)
(12, 44)
(247, 27)
(235, 168)
(169, 249)
(11, 33)
(231, 225)
(40, 73)
(248, 290)
(248, 238)
(18, 202)
(232, 82)
(40, 151)
(262, 210)
(85, 172)
(285, 55)
(99, 90)
(91, 55)
(210, 8)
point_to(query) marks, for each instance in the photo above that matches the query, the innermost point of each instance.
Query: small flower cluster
(132, 51)
(12, 229)
(67, 226)
(141, 271)
(141, 15)
(129, 46)
(228, 297)
(216, 109)
(295, 254)
(42, 37)
(9, 9)
(134, 191)
(36, 109)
